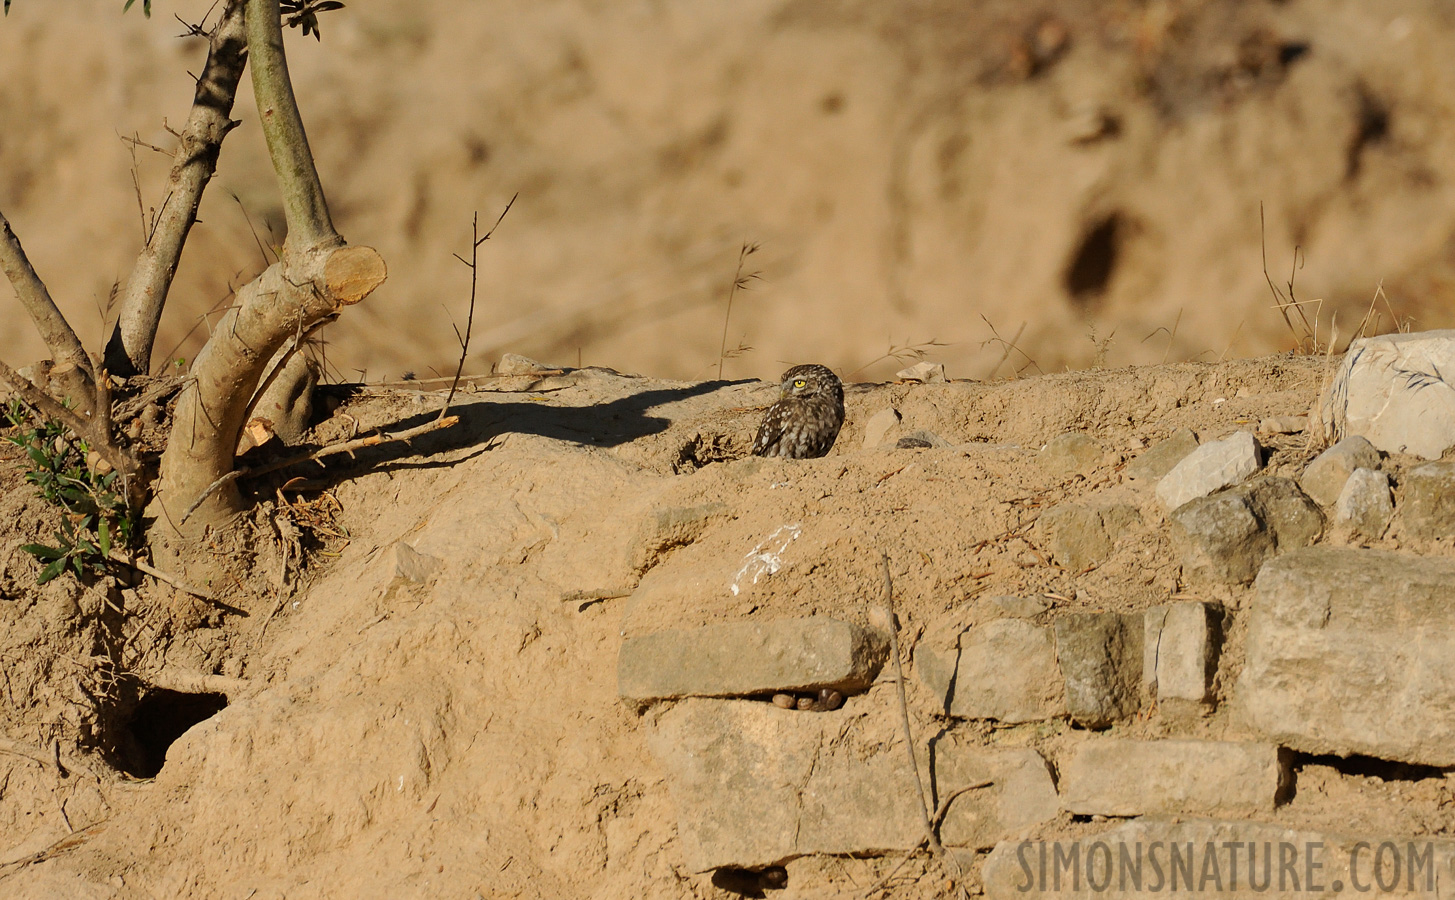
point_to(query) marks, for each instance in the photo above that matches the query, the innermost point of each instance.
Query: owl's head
(809, 381)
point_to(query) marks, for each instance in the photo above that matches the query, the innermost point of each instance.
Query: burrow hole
(160, 718)
(1092, 266)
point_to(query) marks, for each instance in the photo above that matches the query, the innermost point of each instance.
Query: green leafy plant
(97, 515)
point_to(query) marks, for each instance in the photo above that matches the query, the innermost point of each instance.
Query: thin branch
(740, 283)
(57, 333)
(174, 580)
(87, 430)
(129, 349)
(304, 205)
(475, 242)
(952, 868)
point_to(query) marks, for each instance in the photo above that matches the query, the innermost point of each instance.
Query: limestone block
(1163, 456)
(1325, 476)
(1427, 502)
(1107, 777)
(1352, 651)
(1069, 453)
(1214, 465)
(745, 658)
(1364, 506)
(1100, 657)
(1181, 652)
(1393, 390)
(881, 427)
(988, 685)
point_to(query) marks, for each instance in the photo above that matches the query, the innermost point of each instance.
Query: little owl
(806, 419)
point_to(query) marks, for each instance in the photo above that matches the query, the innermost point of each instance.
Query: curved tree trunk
(316, 277)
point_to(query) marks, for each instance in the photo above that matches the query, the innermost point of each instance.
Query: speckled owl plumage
(805, 421)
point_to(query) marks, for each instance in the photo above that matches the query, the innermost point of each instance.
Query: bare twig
(741, 282)
(1005, 350)
(129, 348)
(475, 241)
(158, 574)
(931, 839)
(57, 333)
(88, 430)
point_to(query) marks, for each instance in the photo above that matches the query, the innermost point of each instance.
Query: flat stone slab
(755, 785)
(1352, 651)
(1020, 794)
(1228, 860)
(1133, 778)
(1212, 466)
(988, 686)
(1394, 389)
(746, 658)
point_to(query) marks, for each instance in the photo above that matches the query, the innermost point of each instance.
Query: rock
(1427, 501)
(1227, 536)
(1100, 657)
(1211, 466)
(411, 565)
(1180, 654)
(1283, 425)
(1392, 389)
(927, 372)
(1161, 856)
(1108, 777)
(1020, 607)
(880, 426)
(1075, 536)
(922, 439)
(1221, 539)
(743, 658)
(1364, 507)
(1008, 671)
(1163, 456)
(1080, 536)
(1021, 793)
(1325, 476)
(515, 364)
(1069, 453)
(1350, 651)
(936, 671)
(755, 785)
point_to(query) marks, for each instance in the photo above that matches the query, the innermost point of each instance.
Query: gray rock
(1181, 654)
(922, 439)
(1108, 777)
(987, 687)
(1069, 453)
(936, 671)
(1283, 425)
(880, 427)
(1349, 651)
(1394, 390)
(928, 372)
(1211, 466)
(1427, 501)
(1100, 657)
(744, 658)
(755, 785)
(1020, 794)
(1160, 856)
(1227, 536)
(1364, 506)
(1221, 539)
(1163, 456)
(1325, 476)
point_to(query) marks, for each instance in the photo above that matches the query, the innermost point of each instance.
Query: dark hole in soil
(1091, 268)
(1370, 767)
(162, 717)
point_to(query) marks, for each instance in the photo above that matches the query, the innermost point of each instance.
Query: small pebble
(784, 700)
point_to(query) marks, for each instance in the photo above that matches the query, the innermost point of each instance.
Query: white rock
(1325, 476)
(1214, 465)
(1398, 390)
(922, 371)
(515, 364)
(1365, 505)
(877, 430)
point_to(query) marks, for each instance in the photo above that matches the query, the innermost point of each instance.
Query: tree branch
(129, 349)
(57, 333)
(304, 206)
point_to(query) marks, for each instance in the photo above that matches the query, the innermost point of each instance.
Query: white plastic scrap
(761, 561)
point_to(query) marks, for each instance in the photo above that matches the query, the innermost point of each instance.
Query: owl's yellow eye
(799, 383)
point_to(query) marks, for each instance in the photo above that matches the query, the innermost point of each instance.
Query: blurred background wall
(1086, 174)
